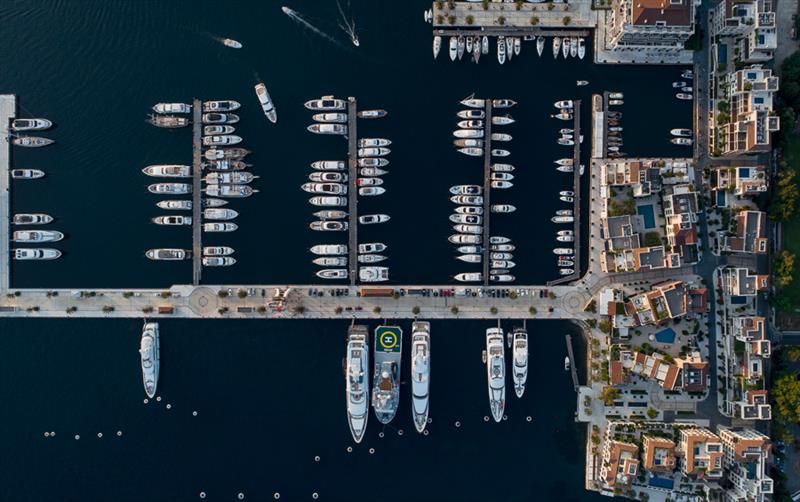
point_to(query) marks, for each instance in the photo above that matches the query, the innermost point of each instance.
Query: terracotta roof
(649, 12)
(658, 454)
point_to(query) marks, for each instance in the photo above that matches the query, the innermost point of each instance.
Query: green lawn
(791, 229)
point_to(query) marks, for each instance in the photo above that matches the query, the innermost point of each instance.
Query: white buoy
(430, 420)
(146, 400)
(400, 432)
(169, 406)
(426, 432)
(240, 496)
(119, 433)
(505, 417)
(315, 495)
(380, 434)
(528, 418)
(47, 434)
(316, 459)
(458, 424)
(194, 413)
(486, 418)
(158, 398)
(276, 496)
(371, 451)
(99, 434)
(77, 437)
(202, 495)
(52, 434)
(349, 449)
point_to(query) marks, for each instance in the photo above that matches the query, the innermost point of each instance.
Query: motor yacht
(371, 258)
(220, 118)
(468, 277)
(468, 45)
(371, 247)
(470, 124)
(502, 247)
(501, 177)
(218, 261)
(469, 210)
(566, 198)
(328, 226)
(556, 46)
(325, 188)
(328, 165)
(681, 141)
(501, 278)
(330, 261)
(356, 380)
(502, 168)
(502, 120)
(517, 46)
(473, 102)
(539, 45)
(365, 182)
(466, 190)
(328, 201)
(326, 103)
(373, 162)
(222, 154)
(502, 185)
(373, 274)
(503, 208)
(220, 227)
(329, 249)
(371, 172)
(581, 83)
(573, 47)
(565, 43)
(437, 46)
(30, 124)
(214, 130)
(170, 188)
(566, 263)
(519, 357)
(217, 251)
(172, 220)
(498, 239)
(420, 372)
(565, 238)
(565, 162)
(465, 239)
(562, 115)
(615, 102)
(31, 219)
(167, 254)
(369, 219)
(564, 104)
(566, 271)
(168, 171)
(332, 273)
(228, 139)
(565, 169)
(453, 48)
(461, 45)
(36, 236)
(386, 372)
(496, 372)
(35, 254)
(498, 255)
(467, 219)
(27, 174)
(224, 105)
(374, 152)
(506, 264)
(218, 213)
(471, 151)
(330, 118)
(562, 219)
(468, 229)
(684, 96)
(503, 103)
(564, 251)
(230, 191)
(371, 191)
(233, 178)
(372, 114)
(472, 114)
(265, 101)
(373, 142)
(150, 354)
(172, 108)
(470, 249)
(468, 133)
(327, 177)
(581, 48)
(685, 133)
(498, 152)
(509, 47)
(468, 200)
(469, 258)
(564, 212)
(32, 141)
(501, 136)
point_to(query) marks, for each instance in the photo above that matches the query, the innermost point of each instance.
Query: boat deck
(487, 186)
(352, 189)
(8, 111)
(197, 205)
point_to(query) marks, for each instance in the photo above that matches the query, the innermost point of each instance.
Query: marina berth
(468, 277)
(221, 106)
(168, 121)
(266, 102)
(356, 381)
(218, 261)
(372, 162)
(219, 227)
(233, 178)
(172, 108)
(150, 355)
(328, 201)
(211, 130)
(216, 213)
(370, 191)
(167, 254)
(373, 152)
(170, 188)
(27, 174)
(420, 373)
(371, 258)
(32, 141)
(330, 261)
(328, 165)
(230, 191)
(220, 118)
(371, 247)
(228, 139)
(217, 251)
(35, 254)
(225, 153)
(326, 103)
(172, 220)
(36, 236)
(30, 124)
(329, 249)
(332, 273)
(31, 219)
(338, 129)
(325, 188)
(328, 226)
(372, 114)
(168, 171)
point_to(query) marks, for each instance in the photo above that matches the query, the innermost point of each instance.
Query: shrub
(470, 19)
(566, 20)
(242, 293)
(454, 310)
(376, 310)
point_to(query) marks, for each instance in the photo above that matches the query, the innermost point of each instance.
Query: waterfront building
(620, 464)
(658, 454)
(750, 26)
(746, 463)
(701, 454)
(651, 25)
(750, 235)
(748, 125)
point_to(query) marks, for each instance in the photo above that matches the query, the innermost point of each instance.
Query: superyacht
(420, 372)
(520, 359)
(149, 350)
(356, 380)
(496, 371)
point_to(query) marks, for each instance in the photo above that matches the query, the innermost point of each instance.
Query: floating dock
(487, 188)
(8, 112)
(576, 188)
(352, 189)
(197, 191)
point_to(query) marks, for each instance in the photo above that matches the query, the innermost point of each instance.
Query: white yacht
(372, 171)
(386, 373)
(468, 277)
(329, 249)
(373, 162)
(330, 118)
(460, 46)
(218, 261)
(472, 114)
(469, 249)
(469, 258)
(172, 108)
(331, 214)
(502, 120)
(466, 189)
(212, 130)
(326, 103)
(150, 353)
(484, 45)
(31, 124)
(372, 114)
(501, 177)
(503, 103)
(318, 128)
(227, 139)
(684, 96)
(471, 151)
(224, 105)
(220, 118)
(437, 46)
(502, 247)
(330, 261)
(565, 43)
(453, 48)
(556, 46)
(502, 168)
(325, 188)
(420, 372)
(469, 210)
(467, 219)
(32, 219)
(501, 136)
(370, 190)
(36, 236)
(328, 165)
(168, 170)
(496, 372)
(499, 152)
(266, 102)
(27, 174)
(503, 208)
(581, 48)
(217, 251)
(328, 226)
(220, 227)
(369, 219)
(233, 44)
(681, 141)
(539, 45)
(167, 121)
(371, 258)
(502, 184)
(564, 251)
(219, 213)
(170, 188)
(470, 124)
(167, 254)
(373, 274)
(230, 191)
(356, 380)
(229, 178)
(172, 220)
(465, 239)
(35, 254)
(374, 152)
(328, 201)
(519, 355)
(497, 239)
(371, 247)
(501, 49)
(327, 177)
(685, 133)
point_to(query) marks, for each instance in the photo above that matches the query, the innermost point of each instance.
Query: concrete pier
(511, 31)
(197, 203)
(352, 189)
(487, 187)
(8, 111)
(572, 366)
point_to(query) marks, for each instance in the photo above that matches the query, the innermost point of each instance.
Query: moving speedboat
(328, 201)
(326, 103)
(217, 213)
(468, 277)
(32, 141)
(496, 372)
(329, 249)
(168, 170)
(519, 356)
(150, 353)
(170, 188)
(373, 274)
(225, 105)
(26, 174)
(172, 108)
(35, 254)
(30, 124)
(266, 102)
(233, 178)
(233, 44)
(356, 382)
(32, 219)
(36, 236)
(328, 226)
(167, 254)
(172, 220)
(219, 227)
(218, 261)
(368, 219)
(328, 165)
(220, 118)
(332, 273)
(230, 191)
(386, 373)
(686, 133)
(420, 372)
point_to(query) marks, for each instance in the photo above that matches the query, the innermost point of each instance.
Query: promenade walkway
(8, 111)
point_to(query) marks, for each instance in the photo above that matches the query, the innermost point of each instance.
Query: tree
(376, 310)
(784, 268)
(148, 309)
(222, 293)
(108, 308)
(300, 309)
(501, 20)
(793, 354)
(338, 310)
(652, 414)
(534, 20)
(786, 192)
(493, 310)
(532, 310)
(605, 326)
(786, 394)
(242, 293)
(454, 310)
(609, 395)
(566, 20)
(470, 19)
(415, 310)
(223, 310)
(652, 239)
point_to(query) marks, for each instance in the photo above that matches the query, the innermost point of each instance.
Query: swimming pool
(666, 336)
(648, 214)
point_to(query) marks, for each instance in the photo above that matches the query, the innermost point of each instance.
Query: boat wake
(349, 27)
(295, 16)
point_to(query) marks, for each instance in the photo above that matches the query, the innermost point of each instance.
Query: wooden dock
(8, 111)
(576, 187)
(487, 188)
(572, 363)
(197, 203)
(352, 189)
